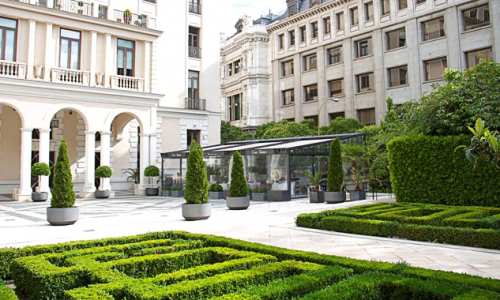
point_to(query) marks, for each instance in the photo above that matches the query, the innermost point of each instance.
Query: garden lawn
(180, 265)
(456, 225)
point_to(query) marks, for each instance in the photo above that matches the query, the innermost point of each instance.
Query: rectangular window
(327, 24)
(288, 97)
(477, 17)
(194, 42)
(193, 136)
(434, 69)
(314, 29)
(237, 66)
(314, 118)
(8, 39)
(364, 48)
(334, 116)
(396, 39)
(302, 34)
(354, 16)
(336, 87)
(235, 107)
(193, 87)
(340, 21)
(335, 55)
(311, 92)
(475, 57)
(195, 6)
(433, 29)
(281, 41)
(402, 4)
(421, 1)
(365, 83)
(367, 116)
(287, 68)
(292, 37)
(398, 76)
(385, 7)
(70, 49)
(103, 11)
(310, 62)
(126, 58)
(369, 11)
(230, 69)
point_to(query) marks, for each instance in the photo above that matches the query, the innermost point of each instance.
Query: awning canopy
(315, 145)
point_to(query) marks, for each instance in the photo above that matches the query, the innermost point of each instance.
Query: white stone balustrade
(66, 76)
(12, 69)
(127, 83)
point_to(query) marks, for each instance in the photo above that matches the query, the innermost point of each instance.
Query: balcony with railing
(126, 17)
(126, 83)
(194, 52)
(76, 7)
(196, 104)
(66, 76)
(12, 69)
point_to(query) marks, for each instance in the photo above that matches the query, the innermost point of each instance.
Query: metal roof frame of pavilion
(297, 146)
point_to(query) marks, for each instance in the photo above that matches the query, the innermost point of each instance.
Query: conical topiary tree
(63, 195)
(335, 168)
(196, 188)
(239, 187)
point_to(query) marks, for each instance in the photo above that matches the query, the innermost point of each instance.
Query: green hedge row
(6, 293)
(427, 169)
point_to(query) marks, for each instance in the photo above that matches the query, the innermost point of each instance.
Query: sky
(235, 9)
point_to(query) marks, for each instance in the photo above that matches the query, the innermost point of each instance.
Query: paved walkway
(24, 224)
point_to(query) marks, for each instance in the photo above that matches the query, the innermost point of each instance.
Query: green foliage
(230, 133)
(6, 293)
(40, 169)
(314, 180)
(216, 188)
(484, 147)
(132, 174)
(196, 189)
(152, 171)
(238, 187)
(342, 125)
(429, 170)
(335, 168)
(63, 195)
(286, 129)
(103, 172)
(467, 226)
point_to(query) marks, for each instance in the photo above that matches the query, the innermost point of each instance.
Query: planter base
(238, 203)
(196, 212)
(357, 195)
(317, 197)
(102, 194)
(152, 192)
(39, 197)
(216, 195)
(177, 194)
(335, 197)
(279, 196)
(259, 196)
(62, 216)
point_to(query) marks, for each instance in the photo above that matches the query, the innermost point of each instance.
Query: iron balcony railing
(195, 8)
(194, 52)
(196, 104)
(130, 18)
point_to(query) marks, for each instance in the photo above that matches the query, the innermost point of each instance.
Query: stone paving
(269, 223)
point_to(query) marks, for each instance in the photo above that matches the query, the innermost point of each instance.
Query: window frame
(327, 25)
(314, 30)
(442, 30)
(400, 6)
(426, 73)
(284, 68)
(291, 35)
(476, 26)
(368, 46)
(281, 41)
(4, 35)
(232, 107)
(383, 11)
(354, 21)
(367, 11)
(70, 40)
(329, 53)
(340, 21)
(303, 34)
(118, 48)
(341, 80)
(477, 52)
(360, 111)
(314, 97)
(388, 35)
(399, 83)
(284, 97)
(307, 62)
(370, 87)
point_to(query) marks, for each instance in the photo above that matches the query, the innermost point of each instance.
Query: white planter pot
(238, 203)
(62, 216)
(196, 212)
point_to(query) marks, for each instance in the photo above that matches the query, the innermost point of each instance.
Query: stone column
(44, 157)
(31, 50)
(89, 186)
(106, 156)
(108, 61)
(93, 57)
(144, 151)
(49, 52)
(24, 192)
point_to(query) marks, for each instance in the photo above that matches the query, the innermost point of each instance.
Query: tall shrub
(63, 195)
(335, 169)
(196, 188)
(239, 187)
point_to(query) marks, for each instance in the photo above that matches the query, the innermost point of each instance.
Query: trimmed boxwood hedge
(193, 266)
(466, 226)
(427, 169)
(6, 293)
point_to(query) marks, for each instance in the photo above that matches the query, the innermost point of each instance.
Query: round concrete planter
(357, 195)
(238, 203)
(152, 192)
(102, 194)
(40, 197)
(62, 216)
(196, 212)
(335, 197)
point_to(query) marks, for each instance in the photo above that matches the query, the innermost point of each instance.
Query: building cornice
(185, 113)
(244, 39)
(306, 14)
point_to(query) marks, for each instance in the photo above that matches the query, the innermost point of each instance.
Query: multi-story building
(246, 74)
(114, 79)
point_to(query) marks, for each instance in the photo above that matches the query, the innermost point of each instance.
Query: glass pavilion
(280, 165)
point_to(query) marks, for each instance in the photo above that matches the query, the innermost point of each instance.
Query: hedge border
(6, 293)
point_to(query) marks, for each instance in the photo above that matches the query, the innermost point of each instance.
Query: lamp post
(336, 100)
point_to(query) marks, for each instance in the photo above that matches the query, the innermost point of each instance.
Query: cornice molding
(245, 39)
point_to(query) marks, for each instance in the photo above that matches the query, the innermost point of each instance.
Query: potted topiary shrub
(335, 181)
(102, 173)
(216, 192)
(39, 170)
(152, 171)
(127, 16)
(197, 206)
(260, 193)
(62, 210)
(315, 194)
(238, 198)
(177, 191)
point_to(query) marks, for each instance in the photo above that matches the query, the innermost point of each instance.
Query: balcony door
(194, 42)
(70, 49)
(193, 86)
(8, 36)
(126, 57)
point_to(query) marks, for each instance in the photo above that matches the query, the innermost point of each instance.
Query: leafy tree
(231, 133)
(39, 170)
(485, 146)
(63, 195)
(341, 125)
(196, 189)
(286, 129)
(239, 186)
(335, 168)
